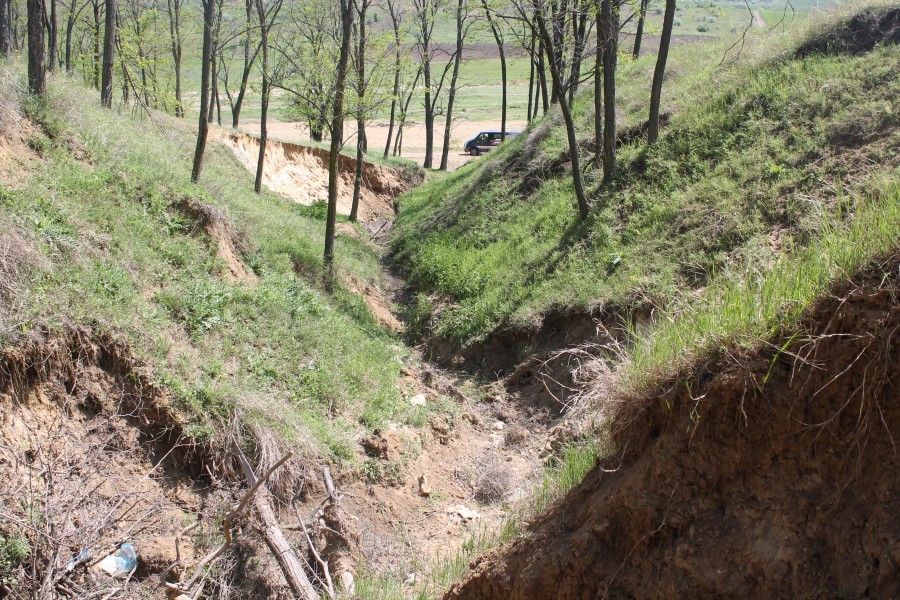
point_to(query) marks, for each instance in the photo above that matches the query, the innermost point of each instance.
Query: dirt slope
(768, 475)
(85, 444)
(300, 173)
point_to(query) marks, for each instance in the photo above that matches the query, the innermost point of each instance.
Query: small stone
(463, 512)
(498, 426)
(471, 418)
(424, 486)
(418, 400)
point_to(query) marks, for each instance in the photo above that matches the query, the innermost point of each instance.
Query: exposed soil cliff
(764, 474)
(300, 173)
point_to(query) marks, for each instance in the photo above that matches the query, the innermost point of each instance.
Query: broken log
(274, 538)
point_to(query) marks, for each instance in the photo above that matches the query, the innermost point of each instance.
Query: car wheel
(474, 151)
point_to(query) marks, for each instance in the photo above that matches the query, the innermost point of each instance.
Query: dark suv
(485, 141)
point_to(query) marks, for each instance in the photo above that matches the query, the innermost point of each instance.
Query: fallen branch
(255, 484)
(274, 538)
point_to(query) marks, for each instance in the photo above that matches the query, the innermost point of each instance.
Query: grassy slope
(754, 158)
(282, 353)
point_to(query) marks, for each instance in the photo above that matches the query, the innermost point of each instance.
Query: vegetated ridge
(757, 153)
(760, 460)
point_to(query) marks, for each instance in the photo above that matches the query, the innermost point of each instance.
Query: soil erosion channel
(300, 173)
(769, 474)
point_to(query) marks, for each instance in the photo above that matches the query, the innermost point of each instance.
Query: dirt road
(413, 136)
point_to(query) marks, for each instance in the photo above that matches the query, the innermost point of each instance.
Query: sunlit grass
(752, 304)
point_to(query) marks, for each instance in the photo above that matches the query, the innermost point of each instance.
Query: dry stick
(329, 585)
(177, 561)
(226, 525)
(274, 538)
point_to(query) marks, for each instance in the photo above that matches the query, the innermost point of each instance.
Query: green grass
(756, 303)
(755, 148)
(560, 475)
(281, 353)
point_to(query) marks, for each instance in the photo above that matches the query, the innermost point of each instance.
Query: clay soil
(768, 474)
(89, 461)
(300, 173)
(413, 137)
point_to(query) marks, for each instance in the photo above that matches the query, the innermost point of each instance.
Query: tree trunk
(337, 132)
(610, 15)
(174, 7)
(109, 45)
(498, 38)
(249, 59)
(579, 27)
(52, 36)
(598, 91)
(214, 67)
(429, 107)
(398, 144)
(37, 75)
(659, 72)
(542, 76)
(97, 43)
(209, 7)
(451, 96)
(360, 109)
(639, 34)
(395, 23)
(7, 42)
(531, 96)
(70, 28)
(556, 76)
(264, 100)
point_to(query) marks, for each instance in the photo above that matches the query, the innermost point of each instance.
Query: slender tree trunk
(610, 16)
(451, 95)
(639, 34)
(109, 45)
(52, 36)
(398, 145)
(97, 43)
(579, 27)
(37, 74)
(530, 81)
(360, 109)
(249, 59)
(598, 91)
(264, 100)
(214, 66)
(174, 7)
(498, 38)
(7, 41)
(659, 72)
(70, 28)
(556, 77)
(395, 22)
(337, 133)
(209, 7)
(429, 106)
(542, 76)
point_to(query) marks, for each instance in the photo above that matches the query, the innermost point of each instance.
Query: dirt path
(413, 136)
(758, 20)
(424, 489)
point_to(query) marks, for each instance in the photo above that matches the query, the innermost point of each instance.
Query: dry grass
(494, 480)
(19, 260)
